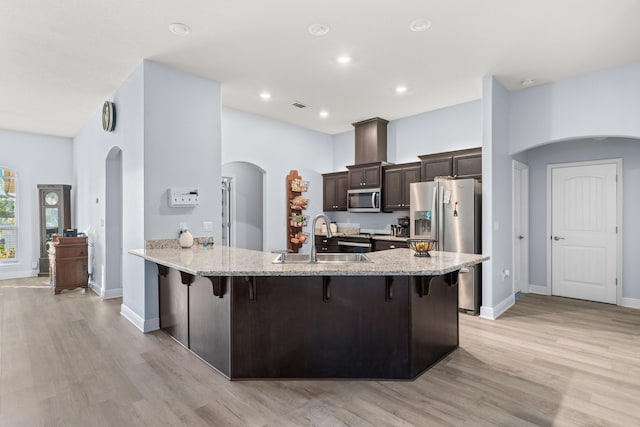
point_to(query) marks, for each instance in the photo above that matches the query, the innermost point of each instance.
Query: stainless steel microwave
(365, 200)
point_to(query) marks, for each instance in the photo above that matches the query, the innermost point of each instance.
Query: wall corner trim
(492, 313)
(137, 321)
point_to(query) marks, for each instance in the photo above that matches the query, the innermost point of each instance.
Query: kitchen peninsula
(391, 318)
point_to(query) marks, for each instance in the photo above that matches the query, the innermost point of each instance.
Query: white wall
(277, 147)
(182, 142)
(37, 159)
(91, 148)
(497, 292)
(181, 149)
(168, 128)
(605, 103)
(584, 150)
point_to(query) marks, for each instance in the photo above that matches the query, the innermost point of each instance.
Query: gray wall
(37, 159)
(182, 143)
(603, 103)
(584, 150)
(247, 210)
(90, 150)
(497, 292)
(277, 147)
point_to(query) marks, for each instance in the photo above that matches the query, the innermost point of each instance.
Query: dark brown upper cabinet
(334, 191)
(396, 188)
(371, 141)
(468, 164)
(365, 176)
(458, 164)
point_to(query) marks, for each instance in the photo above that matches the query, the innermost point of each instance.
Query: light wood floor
(72, 360)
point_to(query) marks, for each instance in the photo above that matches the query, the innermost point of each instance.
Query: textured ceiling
(61, 59)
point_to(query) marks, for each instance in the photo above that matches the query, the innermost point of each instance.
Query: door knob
(520, 237)
(556, 238)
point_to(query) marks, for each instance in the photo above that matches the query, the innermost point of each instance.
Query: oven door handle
(354, 244)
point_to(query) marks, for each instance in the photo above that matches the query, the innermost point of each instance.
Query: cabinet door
(410, 174)
(334, 192)
(174, 306)
(393, 197)
(210, 321)
(433, 166)
(328, 193)
(356, 178)
(372, 177)
(468, 164)
(342, 185)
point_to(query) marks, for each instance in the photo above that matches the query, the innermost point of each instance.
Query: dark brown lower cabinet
(373, 327)
(174, 304)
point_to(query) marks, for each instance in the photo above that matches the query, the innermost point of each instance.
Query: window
(8, 219)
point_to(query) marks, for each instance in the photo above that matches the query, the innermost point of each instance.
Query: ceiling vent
(298, 104)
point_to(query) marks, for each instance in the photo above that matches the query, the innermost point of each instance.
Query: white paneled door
(583, 232)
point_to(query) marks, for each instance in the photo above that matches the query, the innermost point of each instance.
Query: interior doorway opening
(243, 205)
(112, 283)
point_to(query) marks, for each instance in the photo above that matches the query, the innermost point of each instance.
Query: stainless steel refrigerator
(450, 211)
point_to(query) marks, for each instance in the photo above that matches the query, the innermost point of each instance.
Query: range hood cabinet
(371, 141)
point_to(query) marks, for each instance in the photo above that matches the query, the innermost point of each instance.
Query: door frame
(619, 199)
(524, 216)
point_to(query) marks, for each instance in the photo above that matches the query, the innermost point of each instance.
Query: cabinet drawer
(71, 251)
(383, 245)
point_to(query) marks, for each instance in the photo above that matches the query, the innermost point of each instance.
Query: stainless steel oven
(354, 244)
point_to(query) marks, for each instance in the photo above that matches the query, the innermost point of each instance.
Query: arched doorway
(112, 286)
(244, 212)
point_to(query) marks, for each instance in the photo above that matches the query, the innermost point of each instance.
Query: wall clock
(108, 116)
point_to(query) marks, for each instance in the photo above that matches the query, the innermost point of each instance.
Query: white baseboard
(492, 313)
(111, 293)
(18, 274)
(95, 288)
(538, 289)
(105, 293)
(139, 322)
(631, 302)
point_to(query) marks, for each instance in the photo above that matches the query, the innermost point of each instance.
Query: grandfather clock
(55, 216)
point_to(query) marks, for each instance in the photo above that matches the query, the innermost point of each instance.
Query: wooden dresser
(68, 257)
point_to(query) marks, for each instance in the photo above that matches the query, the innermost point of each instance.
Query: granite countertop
(224, 261)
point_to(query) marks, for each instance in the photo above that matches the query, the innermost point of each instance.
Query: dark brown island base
(251, 319)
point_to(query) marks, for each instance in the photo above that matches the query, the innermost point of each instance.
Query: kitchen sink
(333, 258)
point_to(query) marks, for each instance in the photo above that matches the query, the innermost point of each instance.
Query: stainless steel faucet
(314, 254)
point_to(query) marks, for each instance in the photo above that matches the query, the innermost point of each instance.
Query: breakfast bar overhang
(391, 318)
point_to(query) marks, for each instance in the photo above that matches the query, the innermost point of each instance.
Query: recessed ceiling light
(180, 29)
(401, 89)
(343, 59)
(265, 95)
(323, 114)
(318, 29)
(527, 82)
(421, 24)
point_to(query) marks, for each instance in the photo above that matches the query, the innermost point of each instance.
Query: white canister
(185, 239)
